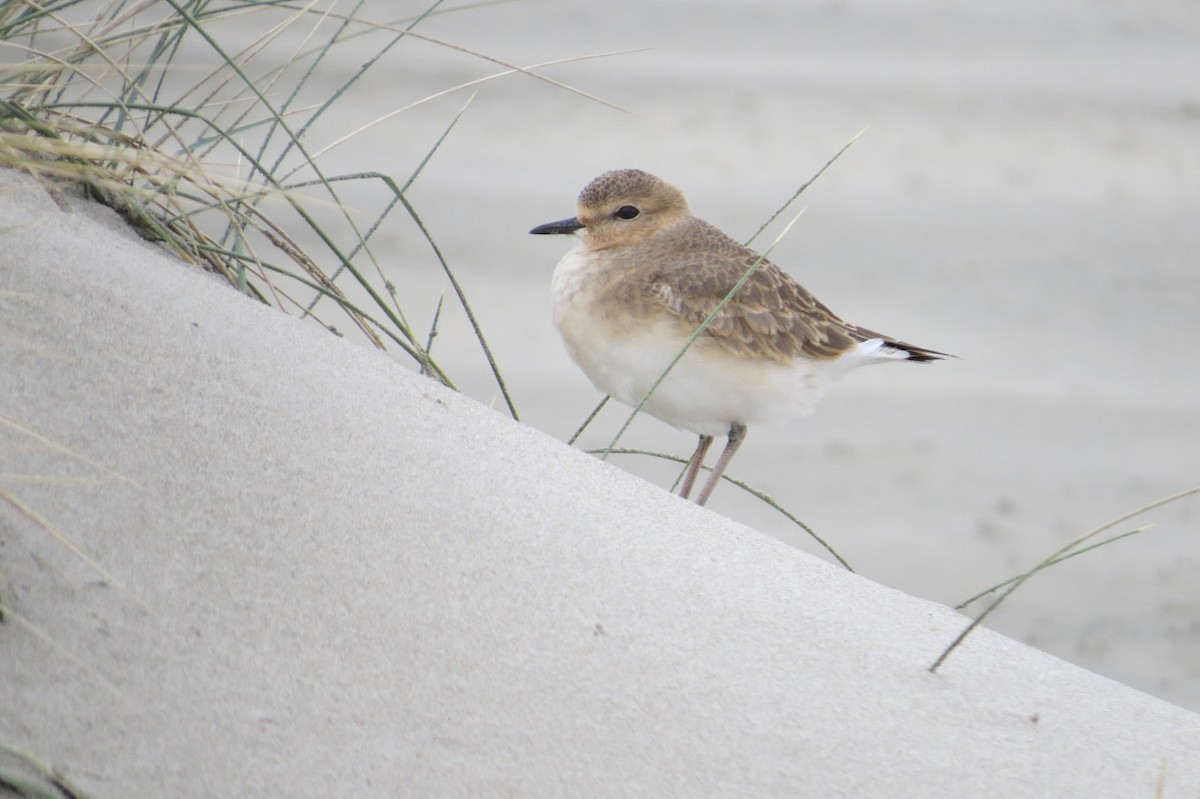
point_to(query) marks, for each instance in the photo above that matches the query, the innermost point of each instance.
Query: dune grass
(198, 122)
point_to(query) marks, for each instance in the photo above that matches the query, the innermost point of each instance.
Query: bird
(645, 275)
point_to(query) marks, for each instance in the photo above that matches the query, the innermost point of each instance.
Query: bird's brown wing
(772, 316)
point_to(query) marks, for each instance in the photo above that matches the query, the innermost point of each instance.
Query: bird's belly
(705, 392)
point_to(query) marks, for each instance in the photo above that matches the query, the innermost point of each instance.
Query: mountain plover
(645, 274)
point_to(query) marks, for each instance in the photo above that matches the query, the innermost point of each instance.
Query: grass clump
(204, 124)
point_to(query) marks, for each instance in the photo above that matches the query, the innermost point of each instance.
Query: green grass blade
(1055, 556)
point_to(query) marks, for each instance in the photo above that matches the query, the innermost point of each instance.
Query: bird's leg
(737, 432)
(693, 467)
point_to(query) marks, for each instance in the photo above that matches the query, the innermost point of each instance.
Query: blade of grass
(397, 193)
(349, 82)
(804, 187)
(1019, 581)
(82, 665)
(427, 364)
(45, 774)
(1060, 559)
(466, 306)
(54, 446)
(433, 331)
(749, 490)
(578, 432)
(498, 62)
(67, 542)
(465, 85)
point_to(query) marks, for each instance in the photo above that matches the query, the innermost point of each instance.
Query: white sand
(358, 581)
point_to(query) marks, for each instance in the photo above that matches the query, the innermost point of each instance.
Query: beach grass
(198, 122)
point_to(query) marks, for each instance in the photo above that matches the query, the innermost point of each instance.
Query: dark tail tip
(920, 354)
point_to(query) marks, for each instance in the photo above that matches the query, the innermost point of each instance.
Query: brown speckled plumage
(695, 266)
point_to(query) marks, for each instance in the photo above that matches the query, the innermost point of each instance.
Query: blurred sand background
(1025, 196)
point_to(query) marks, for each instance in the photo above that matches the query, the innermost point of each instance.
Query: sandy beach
(316, 572)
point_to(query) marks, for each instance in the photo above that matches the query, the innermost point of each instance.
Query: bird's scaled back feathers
(685, 267)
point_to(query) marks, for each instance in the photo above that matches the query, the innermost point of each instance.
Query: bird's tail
(911, 352)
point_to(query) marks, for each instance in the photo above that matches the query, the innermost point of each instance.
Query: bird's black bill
(561, 226)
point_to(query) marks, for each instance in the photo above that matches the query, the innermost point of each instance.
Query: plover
(645, 274)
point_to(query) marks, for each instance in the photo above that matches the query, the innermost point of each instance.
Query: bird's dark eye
(627, 212)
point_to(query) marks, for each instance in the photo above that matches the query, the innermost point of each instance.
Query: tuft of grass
(198, 122)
